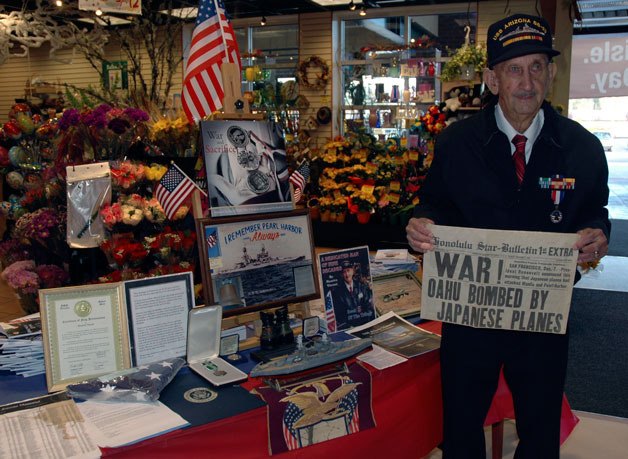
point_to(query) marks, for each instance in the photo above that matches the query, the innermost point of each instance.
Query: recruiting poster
(347, 288)
(505, 280)
(247, 168)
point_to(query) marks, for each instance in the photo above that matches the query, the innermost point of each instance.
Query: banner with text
(505, 280)
(599, 66)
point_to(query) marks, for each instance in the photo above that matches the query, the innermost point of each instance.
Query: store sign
(112, 6)
(599, 66)
(115, 75)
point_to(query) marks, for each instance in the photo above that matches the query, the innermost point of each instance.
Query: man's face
(347, 275)
(521, 84)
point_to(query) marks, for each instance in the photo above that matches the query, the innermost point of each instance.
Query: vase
(325, 215)
(29, 303)
(363, 217)
(340, 217)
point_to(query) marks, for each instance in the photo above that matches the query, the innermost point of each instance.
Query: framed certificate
(84, 332)
(252, 262)
(398, 292)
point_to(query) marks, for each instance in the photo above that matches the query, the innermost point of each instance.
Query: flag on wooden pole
(173, 189)
(213, 42)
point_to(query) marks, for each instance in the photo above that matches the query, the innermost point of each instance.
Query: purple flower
(119, 125)
(70, 117)
(97, 118)
(135, 114)
(52, 276)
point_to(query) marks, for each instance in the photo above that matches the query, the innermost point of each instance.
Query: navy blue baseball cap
(518, 35)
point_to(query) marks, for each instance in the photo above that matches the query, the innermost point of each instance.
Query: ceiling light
(263, 21)
(352, 6)
(59, 3)
(98, 12)
(362, 11)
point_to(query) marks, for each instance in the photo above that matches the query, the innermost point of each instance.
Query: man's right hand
(419, 236)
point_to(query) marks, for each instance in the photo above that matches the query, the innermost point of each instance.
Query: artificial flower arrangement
(172, 135)
(131, 210)
(382, 179)
(26, 277)
(99, 133)
(126, 175)
(167, 252)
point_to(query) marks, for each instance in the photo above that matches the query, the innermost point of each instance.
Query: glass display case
(387, 91)
(389, 66)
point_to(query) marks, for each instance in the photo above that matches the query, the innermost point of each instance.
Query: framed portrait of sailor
(247, 168)
(252, 262)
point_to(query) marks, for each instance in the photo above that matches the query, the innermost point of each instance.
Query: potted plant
(362, 204)
(465, 63)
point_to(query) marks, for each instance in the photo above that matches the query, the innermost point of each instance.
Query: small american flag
(299, 179)
(212, 239)
(173, 189)
(293, 414)
(350, 404)
(213, 42)
(330, 315)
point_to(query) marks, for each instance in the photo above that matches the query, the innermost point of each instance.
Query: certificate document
(158, 316)
(84, 332)
(505, 280)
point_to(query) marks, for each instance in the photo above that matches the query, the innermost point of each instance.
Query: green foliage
(474, 55)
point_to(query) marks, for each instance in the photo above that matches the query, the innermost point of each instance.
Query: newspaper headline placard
(505, 280)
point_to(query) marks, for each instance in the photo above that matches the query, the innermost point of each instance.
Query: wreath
(313, 62)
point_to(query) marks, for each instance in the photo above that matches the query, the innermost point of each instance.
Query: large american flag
(213, 42)
(173, 189)
(299, 179)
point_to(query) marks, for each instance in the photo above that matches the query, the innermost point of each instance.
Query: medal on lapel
(557, 184)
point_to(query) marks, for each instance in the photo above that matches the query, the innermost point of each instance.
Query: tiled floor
(596, 436)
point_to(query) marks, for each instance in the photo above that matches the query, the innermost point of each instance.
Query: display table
(406, 401)
(406, 406)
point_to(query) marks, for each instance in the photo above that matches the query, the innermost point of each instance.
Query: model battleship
(312, 355)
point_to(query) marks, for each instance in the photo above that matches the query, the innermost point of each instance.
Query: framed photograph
(252, 262)
(347, 288)
(398, 292)
(84, 333)
(246, 165)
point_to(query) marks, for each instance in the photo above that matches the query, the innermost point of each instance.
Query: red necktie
(520, 156)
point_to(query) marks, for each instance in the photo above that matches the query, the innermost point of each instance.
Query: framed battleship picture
(252, 262)
(247, 168)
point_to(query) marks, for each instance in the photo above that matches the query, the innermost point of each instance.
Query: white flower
(131, 215)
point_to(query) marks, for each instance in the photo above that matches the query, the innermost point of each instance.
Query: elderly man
(485, 174)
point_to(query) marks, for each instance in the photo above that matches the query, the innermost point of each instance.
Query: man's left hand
(592, 245)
